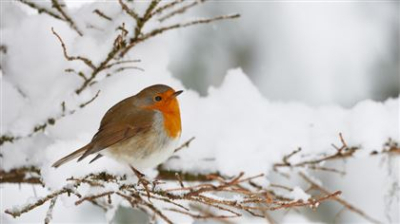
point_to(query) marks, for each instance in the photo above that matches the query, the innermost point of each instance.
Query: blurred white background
(316, 52)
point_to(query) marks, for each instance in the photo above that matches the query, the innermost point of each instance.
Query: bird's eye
(158, 98)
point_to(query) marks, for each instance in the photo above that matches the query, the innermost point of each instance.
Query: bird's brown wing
(120, 111)
(120, 123)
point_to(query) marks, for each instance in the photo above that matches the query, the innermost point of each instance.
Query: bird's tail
(71, 156)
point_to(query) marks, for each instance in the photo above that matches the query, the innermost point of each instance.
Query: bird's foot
(142, 180)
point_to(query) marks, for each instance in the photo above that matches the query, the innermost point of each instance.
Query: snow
(236, 127)
(298, 194)
(242, 131)
(294, 217)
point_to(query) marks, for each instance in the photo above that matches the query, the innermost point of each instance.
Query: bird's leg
(137, 172)
(142, 180)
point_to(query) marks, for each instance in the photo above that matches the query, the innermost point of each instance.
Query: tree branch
(66, 17)
(339, 200)
(72, 58)
(41, 9)
(161, 30)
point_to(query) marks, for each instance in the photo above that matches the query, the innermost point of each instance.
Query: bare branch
(26, 208)
(255, 201)
(118, 50)
(161, 30)
(147, 15)
(90, 101)
(50, 121)
(28, 175)
(390, 147)
(67, 18)
(341, 153)
(287, 157)
(102, 15)
(181, 10)
(93, 197)
(167, 6)
(41, 9)
(72, 58)
(185, 145)
(339, 200)
(129, 11)
(49, 214)
(121, 62)
(121, 69)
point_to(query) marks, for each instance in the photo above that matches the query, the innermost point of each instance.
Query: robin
(142, 130)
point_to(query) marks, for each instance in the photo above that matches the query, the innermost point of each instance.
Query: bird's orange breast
(169, 107)
(172, 118)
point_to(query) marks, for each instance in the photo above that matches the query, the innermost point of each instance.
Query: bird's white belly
(145, 150)
(142, 156)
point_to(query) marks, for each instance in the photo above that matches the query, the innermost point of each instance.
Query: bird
(142, 130)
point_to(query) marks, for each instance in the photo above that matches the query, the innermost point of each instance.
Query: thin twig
(313, 203)
(167, 6)
(185, 145)
(49, 214)
(341, 153)
(339, 200)
(67, 18)
(72, 58)
(41, 9)
(89, 101)
(128, 67)
(129, 11)
(28, 207)
(121, 62)
(181, 10)
(102, 15)
(93, 197)
(176, 26)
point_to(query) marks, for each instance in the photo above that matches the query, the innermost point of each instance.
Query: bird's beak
(177, 93)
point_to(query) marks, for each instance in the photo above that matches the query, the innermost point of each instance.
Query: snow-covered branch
(251, 157)
(184, 191)
(248, 197)
(115, 57)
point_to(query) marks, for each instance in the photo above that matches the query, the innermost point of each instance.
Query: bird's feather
(72, 156)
